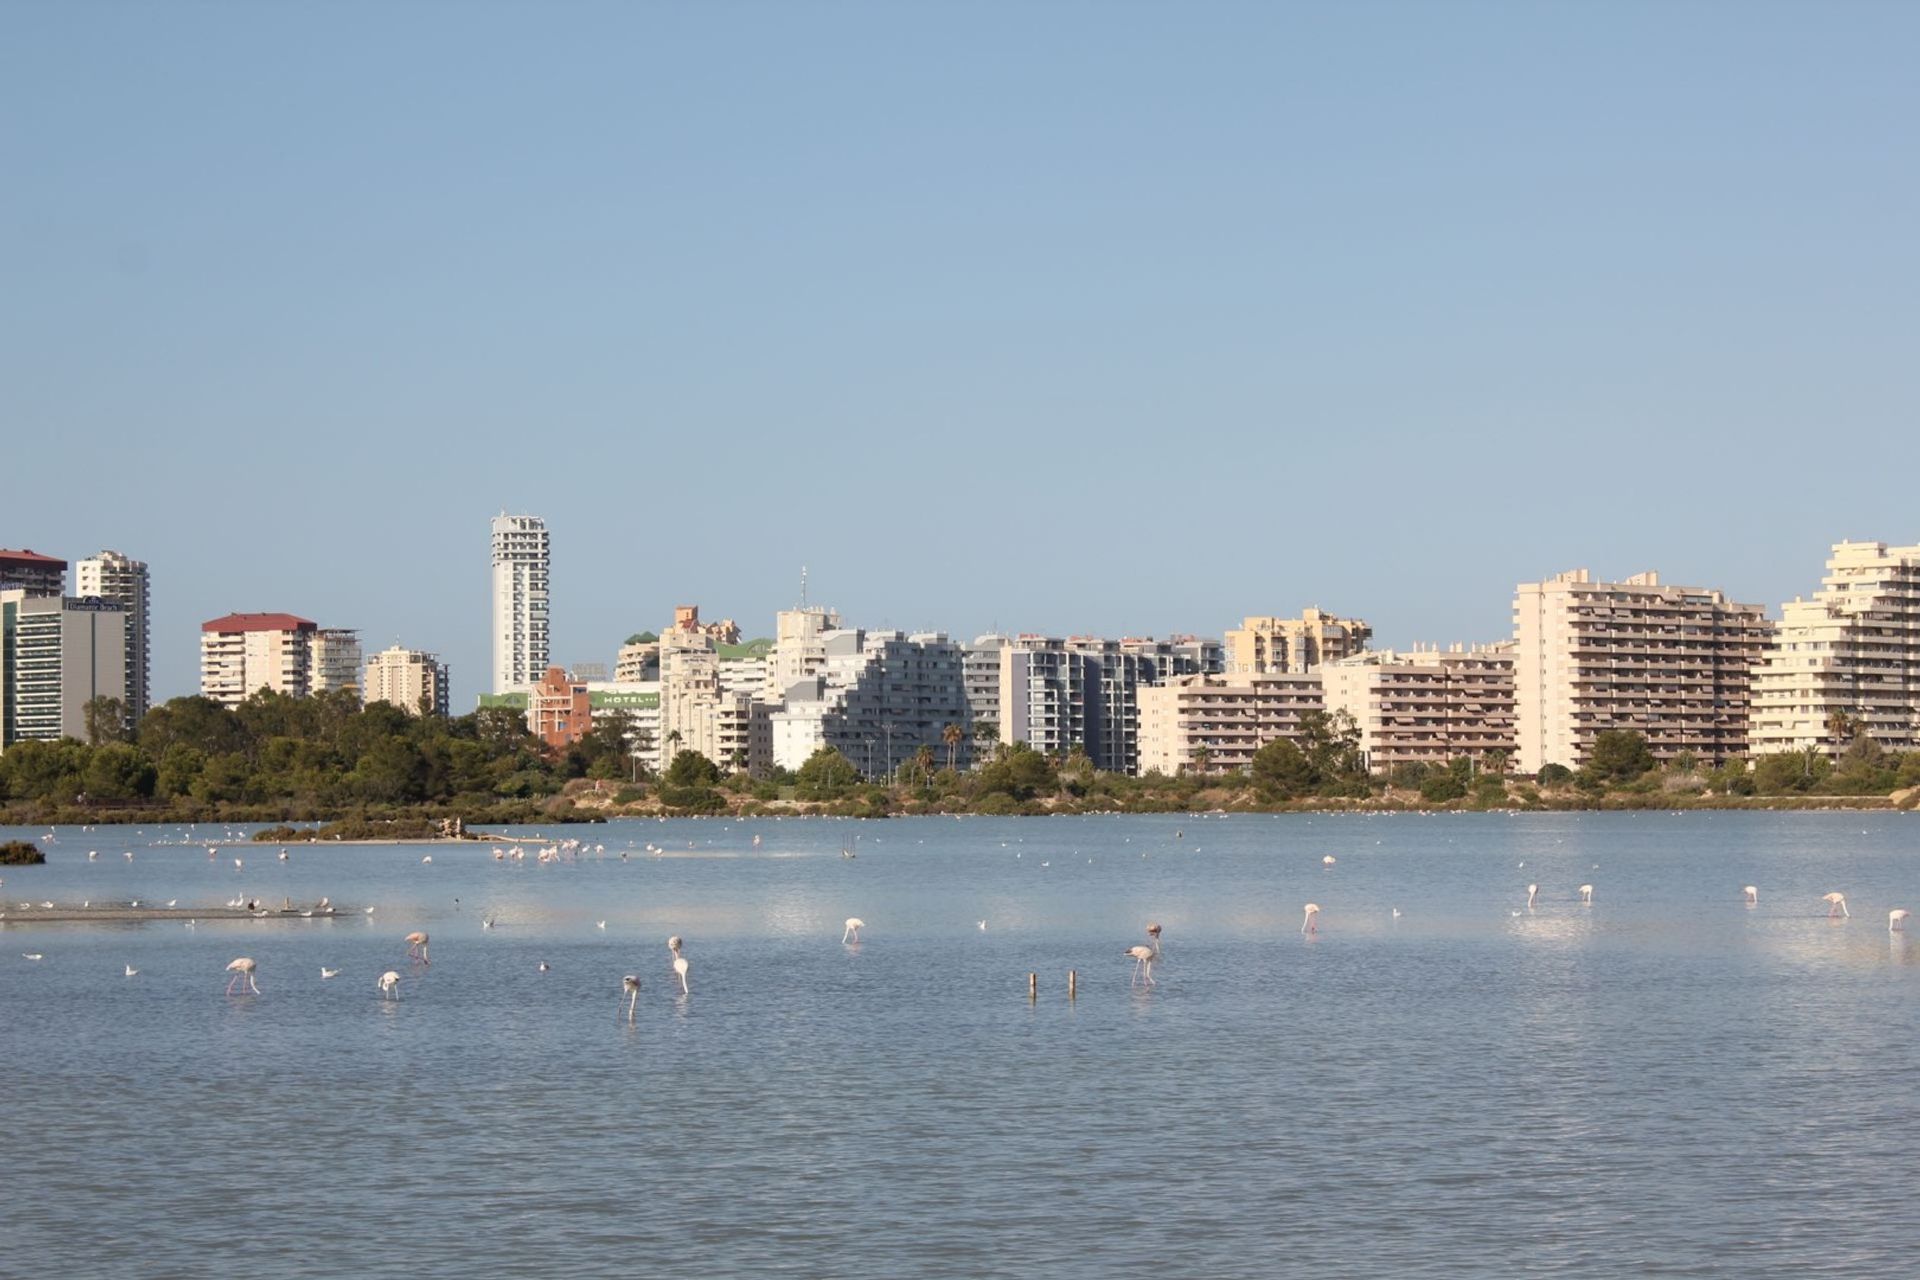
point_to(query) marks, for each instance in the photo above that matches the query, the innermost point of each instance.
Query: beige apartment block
(1846, 663)
(336, 660)
(697, 713)
(1228, 717)
(1674, 664)
(1264, 646)
(408, 679)
(243, 653)
(1429, 706)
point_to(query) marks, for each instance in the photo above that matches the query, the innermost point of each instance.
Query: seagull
(131, 971)
(544, 966)
(982, 924)
(427, 861)
(32, 955)
(328, 973)
(600, 924)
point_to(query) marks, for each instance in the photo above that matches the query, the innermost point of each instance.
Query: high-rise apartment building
(414, 681)
(1430, 706)
(336, 661)
(877, 697)
(33, 573)
(798, 647)
(1269, 645)
(1214, 723)
(243, 653)
(57, 654)
(1674, 664)
(521, 559)
(980, 669)
(1846, 664)
(1082, 692)
(119, 580)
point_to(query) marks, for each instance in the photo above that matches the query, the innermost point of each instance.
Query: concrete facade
(1229, 716)
(522, 558)
(406, 678)
(1674, 664)
(119, 580)
(32, 573)
(799, 649)
(1082, 691)
(877, 698)
(56, 655)
(1846, 663)
(335, 665)
(243, 653)
(1429, 706)
(1264, 646)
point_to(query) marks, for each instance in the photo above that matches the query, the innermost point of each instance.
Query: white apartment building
(1846, 663)
(406, 678)
(243, 653)
(119, 580)
(980, 669)
(1268, 645)
(877, 698)
(521, 559)
(799, 646)
(1429, 706)
(1674, 664)
(1217, 721)
(56, 655)
(697, 714)
(1082, 691)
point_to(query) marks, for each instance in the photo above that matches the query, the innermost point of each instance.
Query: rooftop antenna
(803, 586)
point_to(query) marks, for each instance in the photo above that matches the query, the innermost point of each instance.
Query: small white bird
(283, 855)
(1327, 861)
(427, 861)
(600, 924)
(32, 955)
(982, 924)
(173, 902)
(132, 972)
(544, 966)
(328, 973)
(238, 863)
(1396, 913)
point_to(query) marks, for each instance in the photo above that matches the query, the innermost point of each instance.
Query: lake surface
(1666, 1082)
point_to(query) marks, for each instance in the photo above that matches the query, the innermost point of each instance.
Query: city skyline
(1135, 324)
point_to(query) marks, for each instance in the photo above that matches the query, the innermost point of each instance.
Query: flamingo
(1153, 937)
(1533, 891)
(1142, 964)
(243, 968)
(389, 985)
(1897, 919)
(1311, 924)
(1753, 895)
(1586, 894)
(1327, 861)
(417, 946)
(679, 964)
(1836, 902)
(631, 985)
(854, 925)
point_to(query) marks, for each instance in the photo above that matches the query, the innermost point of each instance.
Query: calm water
(1666, 1083)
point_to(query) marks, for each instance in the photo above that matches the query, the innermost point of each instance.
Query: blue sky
(1113, 318)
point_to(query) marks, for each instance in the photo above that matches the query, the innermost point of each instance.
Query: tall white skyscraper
(521, 555)
(113, 577)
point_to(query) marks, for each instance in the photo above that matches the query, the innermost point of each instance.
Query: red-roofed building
(33, 573)
(243, 653)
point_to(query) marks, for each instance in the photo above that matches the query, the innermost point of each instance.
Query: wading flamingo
(852, 932)
(1533, 891)
(1836, 903)
(243, 968)
(1312, 923)
(1753, 895)
(417, 946)
(1153, 938)
(1897, 919)
(679, 964)
(631, 985)
(1142, 964)
(1586, 894)
(389, 985)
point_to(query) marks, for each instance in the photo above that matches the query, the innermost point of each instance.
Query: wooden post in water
(1073, 984)
(1033, 987)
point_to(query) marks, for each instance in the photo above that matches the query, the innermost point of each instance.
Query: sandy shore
(76, 913)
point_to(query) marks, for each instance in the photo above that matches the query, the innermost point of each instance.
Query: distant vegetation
(376, 772)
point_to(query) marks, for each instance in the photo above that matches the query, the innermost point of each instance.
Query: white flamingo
(1312, 923)
(1142, 964)
(1836, 903)
(679, 964)
(389, 985)
(1897, 919)
(243, 968)
(1752, 893)
(631, 985)
(1533, 891)
(852, 932)
(1586, 894)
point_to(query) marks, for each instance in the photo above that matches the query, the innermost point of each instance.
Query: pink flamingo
(417, 946)
(243, 968)
(1312, 923)
(1897, 919)
(389, 985)
(1142, 964)
(1836, 903)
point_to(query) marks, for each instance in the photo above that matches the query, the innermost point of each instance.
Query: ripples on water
(1664, 1083)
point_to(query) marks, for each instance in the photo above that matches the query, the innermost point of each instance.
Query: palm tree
(987, 734)
(924, 759)
(951, 735)
(1202, 756)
